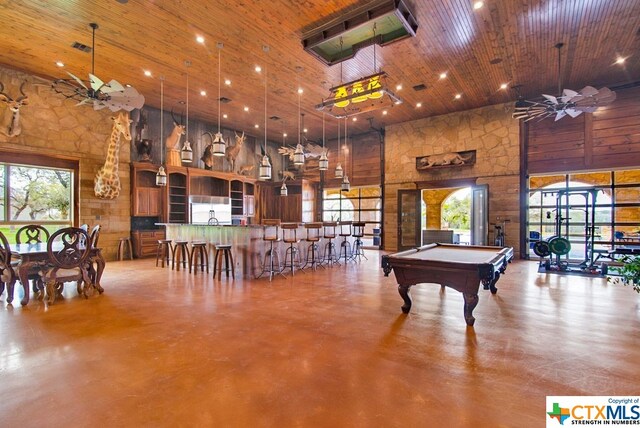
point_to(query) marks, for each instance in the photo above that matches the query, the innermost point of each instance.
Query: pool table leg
(470, 302)
(404, 293)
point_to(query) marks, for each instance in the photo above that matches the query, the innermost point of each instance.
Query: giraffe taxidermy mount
(107, 180)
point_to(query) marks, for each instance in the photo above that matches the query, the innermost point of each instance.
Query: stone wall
(54, 126)
(489, 130)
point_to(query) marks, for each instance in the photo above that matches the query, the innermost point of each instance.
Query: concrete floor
(323, 349)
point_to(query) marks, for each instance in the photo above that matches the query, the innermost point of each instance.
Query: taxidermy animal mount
(232, 152)
(107, 180)
(11, 116)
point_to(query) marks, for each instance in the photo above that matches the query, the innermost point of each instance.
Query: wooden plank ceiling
(506, 41)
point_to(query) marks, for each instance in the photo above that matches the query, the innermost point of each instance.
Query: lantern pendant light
(186, 154)
(219, 145)
(298, 155)
(338, 173)
(346, 186)
(265, 165)
(323, 163)
(283, 189)
(161, 176)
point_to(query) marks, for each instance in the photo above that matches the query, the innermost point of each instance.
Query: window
(360, 204)
(35, 195)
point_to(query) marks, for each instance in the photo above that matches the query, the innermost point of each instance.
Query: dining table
(35, 255)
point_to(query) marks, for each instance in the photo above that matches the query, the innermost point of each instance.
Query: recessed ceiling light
(258, 69)
(224, 116)
(203, 93)
(503, 86)
(418, 105)
(300, 90)
(128, 85)
(477, 5)
(200, 39)
(284, 135)
(246, 108)
(60, 63)
(304, 130)
(256, 126)
(398, 102)
(384, 112)
(227, 82)
(458, 96)
(147, 73)
(398, 87)
(355, 119)
(443, 75)
(620, 60)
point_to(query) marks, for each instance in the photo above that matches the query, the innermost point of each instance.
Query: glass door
(479, 214)
(409, 219)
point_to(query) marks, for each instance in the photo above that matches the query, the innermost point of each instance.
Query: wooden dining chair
(94, 237)
(7, 273)
(70, 263)
(32, 234)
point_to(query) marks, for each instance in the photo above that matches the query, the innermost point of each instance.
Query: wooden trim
(441, 184)
(524, 194)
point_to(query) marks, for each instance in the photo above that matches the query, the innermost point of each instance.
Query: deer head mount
(11, 116)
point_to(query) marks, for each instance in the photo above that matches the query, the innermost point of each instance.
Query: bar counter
(248, 247)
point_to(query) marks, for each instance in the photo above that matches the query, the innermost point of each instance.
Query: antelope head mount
(11, 117)
(173, 140)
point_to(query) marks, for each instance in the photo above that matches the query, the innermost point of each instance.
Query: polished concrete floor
(323, 349)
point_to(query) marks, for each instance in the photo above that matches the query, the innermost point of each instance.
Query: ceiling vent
(420, 87)
(275, 118)
(225, 100)
(495, 61)
(81, 47)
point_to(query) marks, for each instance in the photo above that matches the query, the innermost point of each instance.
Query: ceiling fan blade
(573, 112)
(586, 109)
(95, 82)
(112, 86)
(588, 91)
(83, 102)
(551, 98)
(98, 105)
(77, 79)
(560, 114)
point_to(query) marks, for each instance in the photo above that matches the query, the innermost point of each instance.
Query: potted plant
(628, 273)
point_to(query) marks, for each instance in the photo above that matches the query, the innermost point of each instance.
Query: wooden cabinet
(145, 242)
(177, 195)
(146, 199)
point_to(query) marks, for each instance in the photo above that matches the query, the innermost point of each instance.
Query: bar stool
(124, 246)
(199, 249)
(345, 245)
(313, 236)
(163, 251)
(270, 234)
(291, 256)
(180, 255)
(330, 253)
(223, 250)
(358, 232)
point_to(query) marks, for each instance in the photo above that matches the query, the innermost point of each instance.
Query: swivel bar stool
(313, 252)
(330, 254)
(345, 245)
(358, 233)
(292, 255)
(271, 264)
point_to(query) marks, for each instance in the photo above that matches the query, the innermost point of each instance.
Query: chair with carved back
(33, 234)
(94, 237)
(66, 264)
(7, 273)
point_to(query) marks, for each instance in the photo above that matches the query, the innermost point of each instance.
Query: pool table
(461, 267)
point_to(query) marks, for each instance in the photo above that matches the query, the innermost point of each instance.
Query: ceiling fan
(112, 95)
(569, 102)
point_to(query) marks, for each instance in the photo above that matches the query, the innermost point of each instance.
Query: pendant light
(265, 165)
(323, 163)
(283, 189)
(338, 173)
(186, 154)
(298, 155)
(161, 176)
(219, 145)
(346, 186)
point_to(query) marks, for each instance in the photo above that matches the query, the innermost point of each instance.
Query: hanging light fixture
(186, 154)
(219, 145)
(346, 186)
(339, 172)
(298, 155)
(265, 165)
(283, 189)
(323, 163)
(161, 176)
